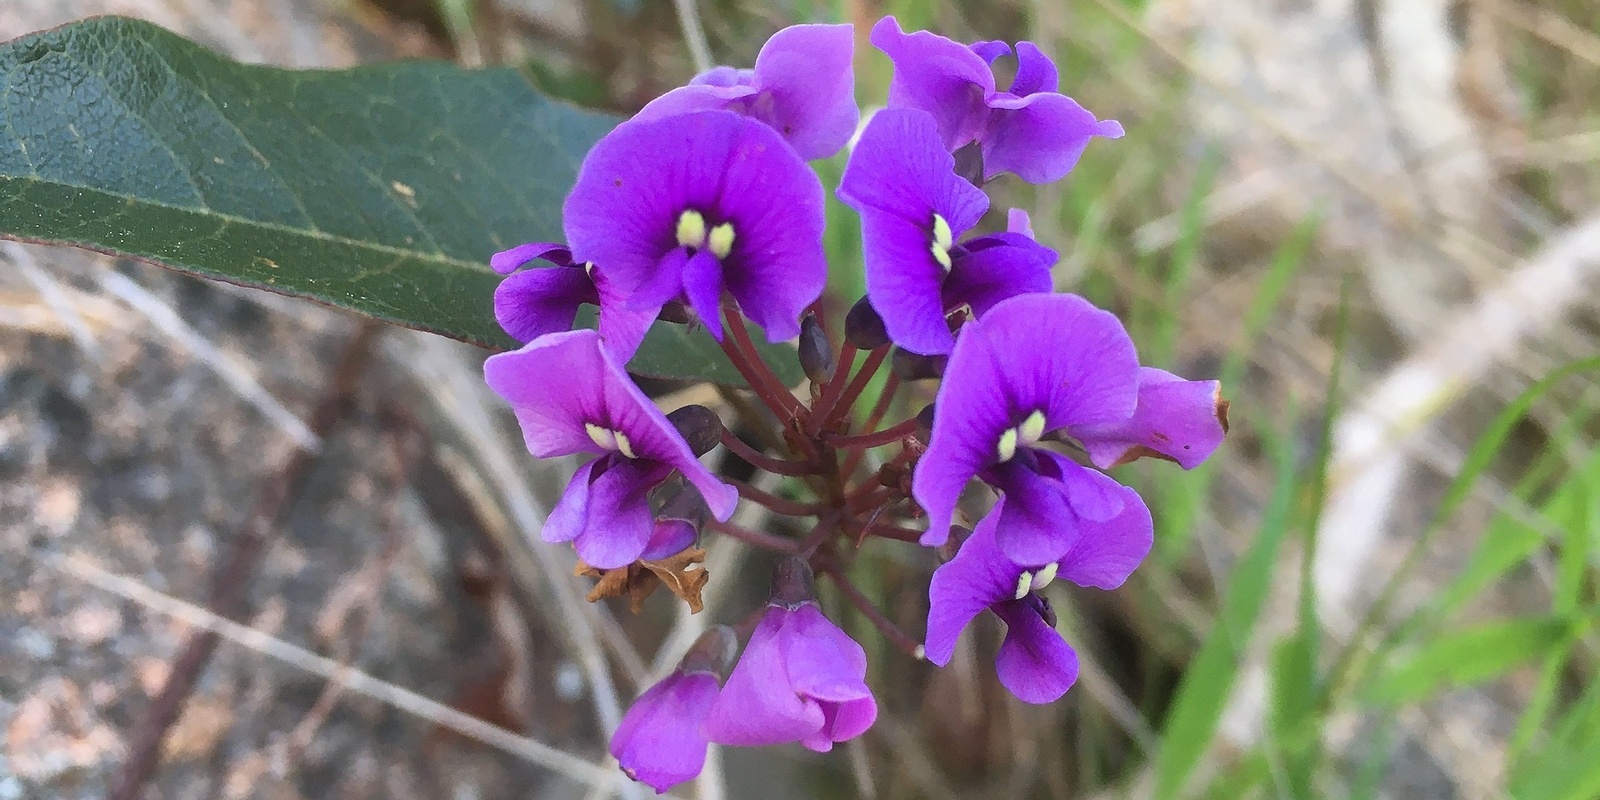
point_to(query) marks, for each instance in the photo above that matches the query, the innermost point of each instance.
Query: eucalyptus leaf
(381, 190)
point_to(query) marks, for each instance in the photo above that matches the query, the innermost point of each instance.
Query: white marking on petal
(721, 240)
(1031, 428)
(1024, 585)
(1008, 444)
(604, 437)
(942, 235)
(1044, 576)
(691, 229)
(624, 446)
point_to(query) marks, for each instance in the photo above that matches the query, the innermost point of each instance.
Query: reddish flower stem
(763, 461)
(823, 408)
(878, 438)
(758, 366)
(778, 504)
(766, 541)
(859, 383)
(879, 620)
(888, 531)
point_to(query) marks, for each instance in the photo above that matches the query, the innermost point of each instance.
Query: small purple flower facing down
(660, 741)
(801, 679)
(1038, 365)
(571, 396)
(1031, 130)
(1034, 662)
(688, 206)
(533, 302)
(913, 210)
(802, 85)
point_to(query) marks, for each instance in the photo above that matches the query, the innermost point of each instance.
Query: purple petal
(1038, 524)
(900, 167)
(842, 722)
(977, 578)
(622, 328)
(1018, 221)
(617, 523)
(1035, 71)
(725, 77)
(990, 50)
(970, 412)
(758, 705)
(1092, 494)
(669, 538)
(569, 515)
(695, 97)
(1039, 137)
(996, 267)
(535, 302)
(824, 663)
(1106, 553)
(702, 284)
(808, 88)
(507, 261)
(552, 413)
(942, 77)
(1179, 420)
(659, 742)
(1056, 353)
(1034, 662)
(904, 283)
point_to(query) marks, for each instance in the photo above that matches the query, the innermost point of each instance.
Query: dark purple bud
(675, 312)
(685, 504)
(816, 355)
(712, 653)
(700, 427)
(914, 367)
(792, 582)
(925, 421)
(864, 328)
(969, 163)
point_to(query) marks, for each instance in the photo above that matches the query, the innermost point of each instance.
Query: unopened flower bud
(925, 422)
(864, 328)
(913, 367)
(816, 356)
(699, 426)
(792, 582)
(675, 312)
(712, 653)
(687, 505)
(969, 162)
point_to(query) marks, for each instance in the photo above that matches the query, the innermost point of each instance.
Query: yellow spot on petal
(604, 437)
(942, 256)
(1008, 445)
(942, 235)
(1031, 428)
(1043, 577)
(691, 229)
(1024, 585)
(624, 446)
(721, 240)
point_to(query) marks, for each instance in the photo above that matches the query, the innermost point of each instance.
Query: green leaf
(382, 190)
(1471, 656)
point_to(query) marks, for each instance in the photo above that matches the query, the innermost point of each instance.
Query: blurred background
(1377, 221)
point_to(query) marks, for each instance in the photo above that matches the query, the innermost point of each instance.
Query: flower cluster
(702, 210)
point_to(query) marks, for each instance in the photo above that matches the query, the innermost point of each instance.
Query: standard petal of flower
(1039, 137)
(1179, 420)
(1034, 662)
(774, 202)
(1035, 71)
(942, 77)
(904, 283)
(1106, 553)
(535, 302)
(692, 98)
(824, 663)
(1038, 524)
(758, 705)
(900, 167)
(806, 71)
(506, 262)
(977, 578)
(996, 267)
(970, 412)
(617, 524)
(1060, 354)
(637, 181)
(659, 742)
(552, 413)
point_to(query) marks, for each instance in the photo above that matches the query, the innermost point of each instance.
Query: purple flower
(800, 679)
(571, 396)
(1030, 130)
(913, 210)
(1034, 662)
(1039, 365)
(660, 741)
(802, 86)
(690, 205)
(534, 302)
